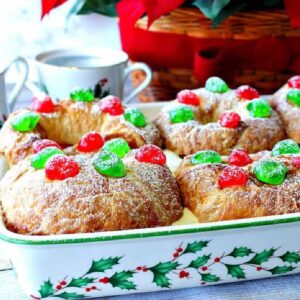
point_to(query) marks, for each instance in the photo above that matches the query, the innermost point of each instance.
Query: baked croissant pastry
(240, 185)
(66, 121)
(286, 102)
(112, 189)
(219, 119)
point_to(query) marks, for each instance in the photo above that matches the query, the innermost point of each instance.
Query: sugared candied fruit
(111, 105)
(239, 157)
(39, 145)
(286, 147)
(246, 92)
(188, 97)
(135, 117)
(259, 108)
(118, 146)
(229, 119)
(60, 167)
(293, 95)
(294, 82)
(151, 154)
(82, 95)
(216, 85)
(90, 142)
(39, 160)
(181, 114)
(232, 176)
(25, 122)
(42, 105)
(206, 157)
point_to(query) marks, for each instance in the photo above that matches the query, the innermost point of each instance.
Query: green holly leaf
(281, 270)
(261, 257)
(199, 262)
(120, 280)
(235, 271)
(159, 273)
(196, 246)
(80, 282)
(209, 277)
(240, 252)
(46, 289)
(103, 264)
(291, 257)
(67, 295)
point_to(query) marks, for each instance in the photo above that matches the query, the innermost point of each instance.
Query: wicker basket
(241, 26)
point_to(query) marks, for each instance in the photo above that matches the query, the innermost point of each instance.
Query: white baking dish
(80, 266)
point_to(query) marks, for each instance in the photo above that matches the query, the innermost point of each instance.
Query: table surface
(284, 287)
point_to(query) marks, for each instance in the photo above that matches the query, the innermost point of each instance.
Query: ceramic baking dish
(78, 266)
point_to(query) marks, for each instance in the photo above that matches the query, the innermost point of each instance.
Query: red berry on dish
(294, 82)
(229, 119)
(232, 176)
(188, 97)
(111, 105)
(239, 157)
(90, 142)
(42, 144)
(60, 167)
(104, 280)
(151, 154)
(42, 105)
(246, 92)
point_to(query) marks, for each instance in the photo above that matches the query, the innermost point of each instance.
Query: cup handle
(144, 84)
(19, 85)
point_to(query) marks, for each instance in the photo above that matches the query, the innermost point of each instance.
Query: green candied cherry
(259, 108)
(109, 164)
(118, 146)
(286, 147)
(25, 122)
(82, 95)
(39, 160)
(206, 157)
(181, 114)
(135, 117)
(216, 85)
(270, 171)
(293, 95)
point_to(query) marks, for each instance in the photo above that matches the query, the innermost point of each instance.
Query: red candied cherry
(111, 105)
(239, 157)
(296, 161)
(104, 280)
(229, 119)
(294, 82)
(58, 287)
(188, 97)
(42, 144)
(60, 167)
(217, 259)
(176, 254)
(204, 268)
(258, 268)
(179, 249)
(232, 175)
(246, 92)
(151, 154)
(90, 142)
(42, 105)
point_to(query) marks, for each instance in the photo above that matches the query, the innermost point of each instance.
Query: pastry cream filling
(173, 161)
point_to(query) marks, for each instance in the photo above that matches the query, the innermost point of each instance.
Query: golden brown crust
(201, 194)
(289, 113)
(147, 196)
(67, 124)
(203, 133)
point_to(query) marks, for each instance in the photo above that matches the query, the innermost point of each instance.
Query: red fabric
(157, 8)
(293, 10)
(48, 5)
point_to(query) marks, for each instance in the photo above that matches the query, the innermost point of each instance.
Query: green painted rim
(19, 239)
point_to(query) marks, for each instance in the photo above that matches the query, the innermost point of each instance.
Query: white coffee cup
(102, 70)
(7, 103)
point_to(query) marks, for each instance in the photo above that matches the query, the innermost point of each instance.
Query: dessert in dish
(286, 102)
(219, 119)
(66, 121)
(98, 187)
(240, 185)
